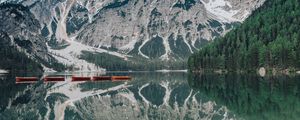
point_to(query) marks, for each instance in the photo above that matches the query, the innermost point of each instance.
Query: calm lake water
(152, 95)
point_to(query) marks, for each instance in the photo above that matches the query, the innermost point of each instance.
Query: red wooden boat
(26, 79)
(54, 79)
(81, 78)
(120, 78)
(101, 78)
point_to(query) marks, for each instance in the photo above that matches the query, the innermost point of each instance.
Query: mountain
(21, 44)
(134, 32)
(161, 29)
(268, 38)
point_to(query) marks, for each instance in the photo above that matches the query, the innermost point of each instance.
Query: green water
(153, 95)
(253, 97)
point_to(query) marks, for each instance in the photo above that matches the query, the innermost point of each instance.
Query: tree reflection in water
(250, 96)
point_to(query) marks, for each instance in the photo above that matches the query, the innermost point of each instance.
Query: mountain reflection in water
(152, 95)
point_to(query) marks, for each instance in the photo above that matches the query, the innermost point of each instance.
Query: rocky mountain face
(150, 29)
(21, 31)
(162, 29)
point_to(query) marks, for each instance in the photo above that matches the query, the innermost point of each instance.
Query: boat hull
(101, 78)
(26, 79)
(120, 78)
(54, 79)
(81, 79)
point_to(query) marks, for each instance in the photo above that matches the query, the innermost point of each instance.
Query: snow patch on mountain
(71, 54)
(218, 8)
(93, 6)
(64, 9)
(2, 1)
(168, 50)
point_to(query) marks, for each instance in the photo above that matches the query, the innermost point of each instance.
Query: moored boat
(81, 78)
(101, 78)
(54, 79)
(26, 79)
(121, 78)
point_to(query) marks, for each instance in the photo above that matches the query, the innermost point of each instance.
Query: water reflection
(252, 97)
(152, 95)
(149, 95)
(9, 90)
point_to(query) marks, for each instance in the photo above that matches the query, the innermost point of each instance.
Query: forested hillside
(269, 38)
(14, 60)
(113, 63)
(22, 48)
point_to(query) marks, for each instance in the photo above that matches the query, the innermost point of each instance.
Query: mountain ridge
(129, 29)
(20, 35)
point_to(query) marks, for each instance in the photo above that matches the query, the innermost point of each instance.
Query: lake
(154, 95)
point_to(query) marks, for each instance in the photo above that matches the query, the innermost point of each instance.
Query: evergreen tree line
(269, 38)
(114, 63)
(13, 60)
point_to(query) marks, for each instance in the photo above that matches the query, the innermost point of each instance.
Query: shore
(262, 71)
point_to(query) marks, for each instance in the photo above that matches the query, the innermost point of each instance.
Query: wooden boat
(81, 78)
(26, 79)
(54, 79)
(101, 78)
(120, 78)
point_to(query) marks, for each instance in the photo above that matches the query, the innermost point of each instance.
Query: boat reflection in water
(54, 79)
